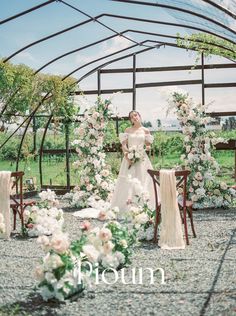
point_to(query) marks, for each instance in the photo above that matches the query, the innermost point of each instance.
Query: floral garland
(44, 218)
(203, 189)
(95, 177)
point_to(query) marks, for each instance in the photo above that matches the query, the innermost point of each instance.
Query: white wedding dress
(124, 189)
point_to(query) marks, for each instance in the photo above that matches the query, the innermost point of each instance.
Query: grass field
(54, 170)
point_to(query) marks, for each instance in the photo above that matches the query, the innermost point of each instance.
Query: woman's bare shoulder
(128, 130)
(146, 130)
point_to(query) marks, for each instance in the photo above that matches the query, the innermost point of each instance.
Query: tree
(21, 90)
(158, 123)
(147, 124)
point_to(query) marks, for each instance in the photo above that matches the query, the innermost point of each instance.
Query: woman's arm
(147, 143)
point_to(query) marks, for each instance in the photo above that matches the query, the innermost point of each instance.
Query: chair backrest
(181, 177)
(17, 188)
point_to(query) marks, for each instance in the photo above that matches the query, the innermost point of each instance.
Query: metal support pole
(134, 83)
(203, 79)
(117, 126)
(67, 128)
(99, 81)
(34, 138)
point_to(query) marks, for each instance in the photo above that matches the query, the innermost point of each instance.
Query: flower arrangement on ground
(45, 218)
(142, 215)
(64, 270)
(203, 189)
(109, 246)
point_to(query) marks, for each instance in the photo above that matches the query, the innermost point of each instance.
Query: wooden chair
(184, 205)
(17, 202)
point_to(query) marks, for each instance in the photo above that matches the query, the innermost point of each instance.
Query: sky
(151, 102)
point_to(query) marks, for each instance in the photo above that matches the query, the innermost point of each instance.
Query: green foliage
(208, 44)
(21, 90)
(123, 125)
(9, 151)
(167, 143)
(110, 133)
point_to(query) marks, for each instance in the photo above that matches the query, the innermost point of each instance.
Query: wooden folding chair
(184, 204)
(17, 202)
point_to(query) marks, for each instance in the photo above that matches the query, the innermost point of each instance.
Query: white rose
(123, 243)
(91, 252)
(104, 185)
(107, 247)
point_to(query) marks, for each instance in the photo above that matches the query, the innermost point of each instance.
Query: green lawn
(54, 170)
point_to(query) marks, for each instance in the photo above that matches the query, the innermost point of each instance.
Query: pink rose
(60, 243)
(102, 216)
(86, 225)
(105, 234)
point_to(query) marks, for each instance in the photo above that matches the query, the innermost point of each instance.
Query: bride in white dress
(135, 136)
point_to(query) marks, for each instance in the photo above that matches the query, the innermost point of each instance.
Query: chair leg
(185, 226)
(14, 218)
(22, 217)
(190, 214)
(156, 226)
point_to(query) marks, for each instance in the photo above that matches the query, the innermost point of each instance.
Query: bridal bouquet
(135, 154)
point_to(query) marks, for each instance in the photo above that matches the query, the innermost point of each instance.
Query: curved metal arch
(123, 57)
(41, 148)
(113, 36)
(112, 61)
(106, 56)
(179, 25)
(169, 24)
(30, 116)
(96, 18)
(27, 11)
(94, 43)
(47, 38)
(176, 9)
(216, 5)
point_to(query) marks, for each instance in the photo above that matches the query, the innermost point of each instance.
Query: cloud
(26, 56)
(107, 48)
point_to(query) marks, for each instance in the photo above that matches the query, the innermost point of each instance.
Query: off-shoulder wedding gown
(125, 190)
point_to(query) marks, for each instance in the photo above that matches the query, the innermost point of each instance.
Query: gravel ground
(200, 280)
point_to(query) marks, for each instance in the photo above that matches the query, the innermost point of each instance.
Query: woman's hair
(133, 111)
